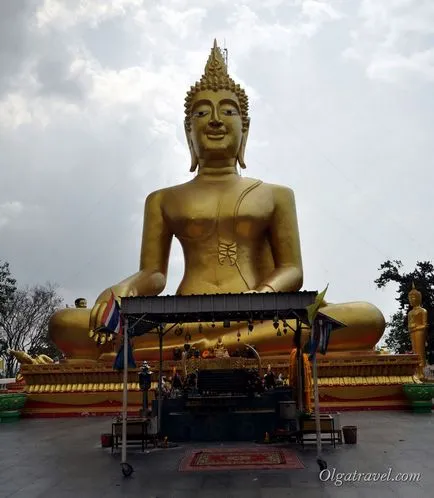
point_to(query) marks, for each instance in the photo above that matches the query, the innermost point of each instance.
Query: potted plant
(420, 396)
(11, 406)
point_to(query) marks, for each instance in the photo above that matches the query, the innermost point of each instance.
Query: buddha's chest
(230, 213)
(416, 317)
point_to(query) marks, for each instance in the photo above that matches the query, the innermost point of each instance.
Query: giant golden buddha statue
(238, 235)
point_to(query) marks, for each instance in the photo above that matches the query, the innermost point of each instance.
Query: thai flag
(111, 319)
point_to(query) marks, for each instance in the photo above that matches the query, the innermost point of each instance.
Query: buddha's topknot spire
(216, 71)
(414, 291)
(216, 78)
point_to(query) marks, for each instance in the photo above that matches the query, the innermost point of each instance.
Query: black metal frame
(331, 433)
(155, 310)
(142, 438)
(151, 314)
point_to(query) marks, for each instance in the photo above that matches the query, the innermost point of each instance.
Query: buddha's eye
(200, 113)
(229, 112)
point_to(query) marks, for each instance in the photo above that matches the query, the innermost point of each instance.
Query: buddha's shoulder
(272, 188)
(163, 193)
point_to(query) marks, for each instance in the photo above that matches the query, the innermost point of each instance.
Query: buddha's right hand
(97, 312)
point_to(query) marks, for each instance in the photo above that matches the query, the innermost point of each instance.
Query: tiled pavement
(62, 458)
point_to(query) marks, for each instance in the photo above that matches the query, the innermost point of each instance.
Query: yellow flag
(313, 308)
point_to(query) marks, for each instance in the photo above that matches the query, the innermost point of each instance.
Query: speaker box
(177, 426)
(252, 426)
(217, 427)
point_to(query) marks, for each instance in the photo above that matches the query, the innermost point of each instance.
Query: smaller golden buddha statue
(220, 351)
(80, 302)
(417, 326)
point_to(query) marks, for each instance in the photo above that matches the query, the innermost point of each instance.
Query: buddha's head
(414, 296)
(216, 115)
(80, 302)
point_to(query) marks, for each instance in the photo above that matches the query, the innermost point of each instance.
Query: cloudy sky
(91, 121)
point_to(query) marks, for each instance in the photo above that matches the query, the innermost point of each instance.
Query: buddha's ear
(193, 156)
(242, 150)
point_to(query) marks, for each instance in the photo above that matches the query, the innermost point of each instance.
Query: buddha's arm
(418, 322)
(285, 243)
(150, 280)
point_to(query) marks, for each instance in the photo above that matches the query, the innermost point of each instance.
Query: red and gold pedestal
(360, 380)
(68, 390)
(350, 381)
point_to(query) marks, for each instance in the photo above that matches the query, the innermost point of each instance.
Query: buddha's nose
(215, 122)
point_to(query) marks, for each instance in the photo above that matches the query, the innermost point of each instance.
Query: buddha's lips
(216, 136)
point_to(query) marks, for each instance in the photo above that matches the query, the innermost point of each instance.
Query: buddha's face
(414, 299)
(216, 125)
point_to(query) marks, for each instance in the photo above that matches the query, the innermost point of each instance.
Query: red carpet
(239, 459)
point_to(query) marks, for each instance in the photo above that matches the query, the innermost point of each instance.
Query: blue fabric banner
(119, 360)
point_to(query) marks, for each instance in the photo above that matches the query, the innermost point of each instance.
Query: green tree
(398, 338)
(24, 317)
(392, 272)
(7, 290)
(7, 285)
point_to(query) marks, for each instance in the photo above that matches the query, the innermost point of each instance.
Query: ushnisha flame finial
(216, 71)
(414, 291)
(216, 78)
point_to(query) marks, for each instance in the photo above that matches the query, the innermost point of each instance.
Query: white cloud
(394, 40)
(394, 66)
(319, 9)
(308, 17)
(64, 15)
(9, 211)
(16, 110)
(184, 22)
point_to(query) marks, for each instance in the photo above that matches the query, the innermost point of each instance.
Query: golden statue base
(347, 381)
(70, 389)
(358, 381)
